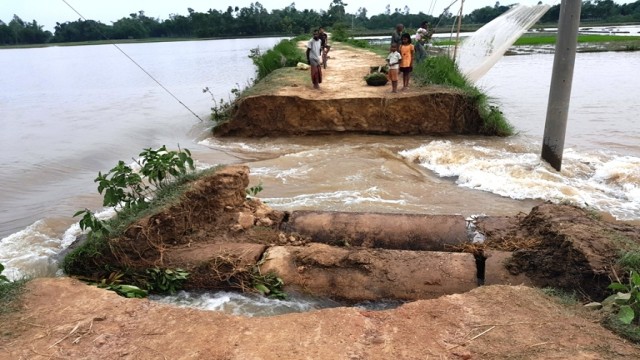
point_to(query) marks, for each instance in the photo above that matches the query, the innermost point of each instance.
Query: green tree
(21, 32)
(130, 28)
(81, 30)
(336, 12)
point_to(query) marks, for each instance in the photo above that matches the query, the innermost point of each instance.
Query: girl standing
(407, 51)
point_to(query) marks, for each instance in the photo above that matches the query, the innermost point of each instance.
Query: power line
(133, 61)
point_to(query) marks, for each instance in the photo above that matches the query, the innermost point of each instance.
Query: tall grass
(285, 53)
(442, 70)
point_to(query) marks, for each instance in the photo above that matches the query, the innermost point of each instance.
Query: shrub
(285, 54)
(130, 193)
(339, 32)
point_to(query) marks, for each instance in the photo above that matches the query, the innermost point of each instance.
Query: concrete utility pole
(455, 49)
(561, 79)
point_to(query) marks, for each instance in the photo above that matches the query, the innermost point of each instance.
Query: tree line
(255, 20)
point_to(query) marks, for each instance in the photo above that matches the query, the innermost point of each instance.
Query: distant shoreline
(135, 41)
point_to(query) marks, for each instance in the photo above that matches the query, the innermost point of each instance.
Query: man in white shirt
(314, 49)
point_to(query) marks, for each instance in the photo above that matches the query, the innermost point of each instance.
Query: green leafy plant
(161, 166)
(269, 284)
(114, 283)
(121, 186)
(126, 190)
(166, 280)
(89, 221)
(626, 301)
(254, 190)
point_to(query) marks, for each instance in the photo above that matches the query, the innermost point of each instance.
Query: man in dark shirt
(325, 46)
(396, 35)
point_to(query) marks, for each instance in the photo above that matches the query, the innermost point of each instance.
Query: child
(393, 59)
(407, 51)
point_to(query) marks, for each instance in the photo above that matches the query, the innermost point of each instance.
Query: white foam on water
(339, 198)
(257, 147)
(284, 175)
(603, 181)
(480, 51)
(243, 304)
(30, 252)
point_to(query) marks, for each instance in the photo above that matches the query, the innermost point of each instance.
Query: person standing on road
(396, 35)
(314, 49)
(393, 59)
(324, 40)
(407, 51)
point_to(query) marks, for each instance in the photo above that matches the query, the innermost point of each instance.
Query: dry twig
(473, 338)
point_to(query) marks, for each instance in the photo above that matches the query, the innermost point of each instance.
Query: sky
(48, 12)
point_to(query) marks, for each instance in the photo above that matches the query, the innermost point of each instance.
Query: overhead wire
(433, 5)
(136, 63)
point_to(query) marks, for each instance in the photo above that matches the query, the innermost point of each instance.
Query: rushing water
(68, 112)
(258, 305)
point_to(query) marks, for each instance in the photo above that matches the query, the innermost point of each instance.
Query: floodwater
(68, 112)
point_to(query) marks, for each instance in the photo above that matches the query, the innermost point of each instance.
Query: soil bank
(285, 103)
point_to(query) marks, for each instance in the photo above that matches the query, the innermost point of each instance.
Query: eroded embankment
(224, 240)
(434, 113)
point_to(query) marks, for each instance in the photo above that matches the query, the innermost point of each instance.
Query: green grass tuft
(285, 54)
(630, 261)
(442, 70)
(563, 297)
(9, 293)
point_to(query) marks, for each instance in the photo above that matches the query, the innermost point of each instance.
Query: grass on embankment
(275, 68)
(442, 70)
(79, 261)
(9, 292)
